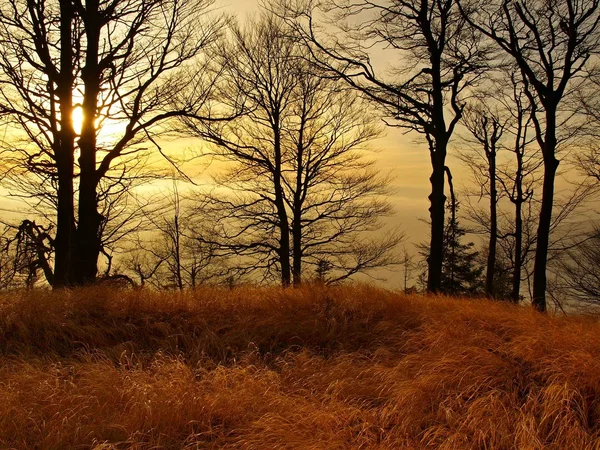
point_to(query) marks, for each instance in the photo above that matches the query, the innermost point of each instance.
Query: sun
(77, 116)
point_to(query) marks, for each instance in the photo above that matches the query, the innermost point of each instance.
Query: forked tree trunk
(543, 232)
(88, 233)
(64, 150)
(436, 211)
(284, 228)
(492, 244)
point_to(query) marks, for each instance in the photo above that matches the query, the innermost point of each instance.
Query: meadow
(350, 367)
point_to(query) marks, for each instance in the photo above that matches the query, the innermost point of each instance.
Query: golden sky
(406, 156)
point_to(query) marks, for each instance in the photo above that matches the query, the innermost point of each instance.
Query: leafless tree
(122, 64)
(438, 60)
(515, 173)
(588, 160)
(168, 254)
(407, 261)
(551, 43)
(25, 251)
(299, 189)
(578, 274)
(487, 129)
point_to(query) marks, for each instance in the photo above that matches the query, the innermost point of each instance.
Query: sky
(405, 156)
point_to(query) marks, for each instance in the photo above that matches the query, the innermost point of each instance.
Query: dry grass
(311, 368)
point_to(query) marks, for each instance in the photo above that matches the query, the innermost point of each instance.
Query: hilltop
(309, 368)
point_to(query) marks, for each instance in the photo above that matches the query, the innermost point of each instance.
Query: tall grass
(312, 368)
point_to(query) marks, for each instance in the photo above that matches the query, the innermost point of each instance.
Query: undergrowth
(349, 367)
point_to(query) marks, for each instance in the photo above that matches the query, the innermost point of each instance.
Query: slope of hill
(311, 368)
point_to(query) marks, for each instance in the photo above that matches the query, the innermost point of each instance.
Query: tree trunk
(65, 243)
(65, 240)
(451, 259)
(299, 196)
(177, 243)
(491, 260)
(284, 238)
(438, 146)
(543, 235)
(516, 281)
(436, 210)
(297, 249)
(543, 232)
(88, 233)
(284, 227)
(518, 201)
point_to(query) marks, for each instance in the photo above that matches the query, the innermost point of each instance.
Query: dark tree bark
(492, 244)
(120, 55)
(550, 43)
(88, 230)
(487, 130)
(64, 144)
(445, 59)
(282, 214)
(298, 200)
(436, 212)
(299, 193)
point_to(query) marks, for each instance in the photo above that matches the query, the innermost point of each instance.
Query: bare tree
(255, 67)
(487, 129)
(439, 59)
(299, 190)
(25, 250)
(407, 261)
(519, 179)
(119, 64)
(515, 176)
(578, 274)
(168, 253)
(550, 42)
(588, 161)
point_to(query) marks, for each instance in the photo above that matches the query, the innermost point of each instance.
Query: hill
(312, 368)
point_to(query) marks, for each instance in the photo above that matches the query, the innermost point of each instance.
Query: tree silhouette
(551, 43)
(120, 63)
(461, 271)
(487, 130)
(298, 189)
(438, 60)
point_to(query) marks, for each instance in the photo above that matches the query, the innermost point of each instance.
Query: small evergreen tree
(461, 271)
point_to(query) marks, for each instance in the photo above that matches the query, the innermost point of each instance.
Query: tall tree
(438, 59)
(550, 41)
(487, 129)
(256, 67)
(115, 62)
(299, 190)
(518, 179)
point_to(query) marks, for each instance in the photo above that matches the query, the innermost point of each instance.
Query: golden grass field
(312, 368)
